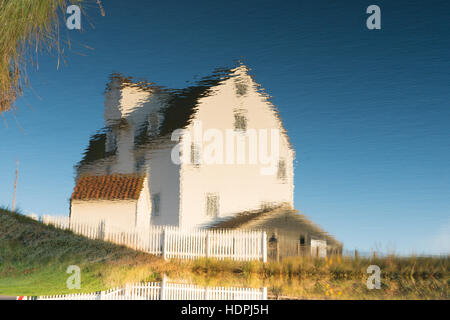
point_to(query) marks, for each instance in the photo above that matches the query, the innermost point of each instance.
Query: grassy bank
(34, 259)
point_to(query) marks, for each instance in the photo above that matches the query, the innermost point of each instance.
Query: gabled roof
(183, 103)
(181, 106)
(261, 219)
(178, 112)
(108, 187)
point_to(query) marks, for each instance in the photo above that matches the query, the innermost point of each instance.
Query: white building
(235, 154)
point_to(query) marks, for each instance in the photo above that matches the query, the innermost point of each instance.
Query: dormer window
(153, 124)
(111, 141)
(240, 121)
(139, 163)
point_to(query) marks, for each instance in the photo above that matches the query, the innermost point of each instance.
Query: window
(212, 205)
(140, 162)
(111, 141)
(240, 121)
(281, 174)
(302, 240)
(241, 87)
(156, 205)
(195, 154)
(153, 124)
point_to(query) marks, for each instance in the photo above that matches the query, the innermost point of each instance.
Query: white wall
(133, 105)
(164, 178)
(240, 186)
(121, 102)
(124, 159)
(144, 207)
(318, 248)
(121, 213)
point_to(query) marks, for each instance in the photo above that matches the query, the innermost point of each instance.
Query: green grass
(34, 259)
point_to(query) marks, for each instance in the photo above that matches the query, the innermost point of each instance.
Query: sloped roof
(108, 187)
(183, 103)
(241, 219)
(177, 114)
(260, 218)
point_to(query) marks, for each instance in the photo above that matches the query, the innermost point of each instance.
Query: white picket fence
(173, 242)
(165, 291)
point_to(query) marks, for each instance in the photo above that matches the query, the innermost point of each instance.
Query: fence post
(264, 246)
(101, 230)
(164, 244)
(264, 293)
(207, 244)
(162, 292)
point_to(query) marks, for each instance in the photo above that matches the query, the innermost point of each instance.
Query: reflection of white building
(128, 175)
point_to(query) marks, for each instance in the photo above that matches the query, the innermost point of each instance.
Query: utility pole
(15, 185)
(102, 11)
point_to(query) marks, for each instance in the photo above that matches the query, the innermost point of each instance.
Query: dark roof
(183, 102)
(108, 187)
(96, 149)
(176, 115)
(123, 82)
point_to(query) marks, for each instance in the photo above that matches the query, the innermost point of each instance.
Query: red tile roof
(109, 187)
